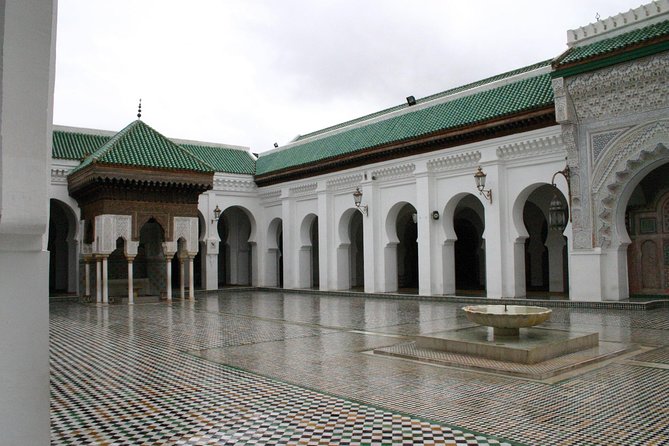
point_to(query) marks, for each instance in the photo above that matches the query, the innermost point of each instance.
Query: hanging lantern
(557, 215)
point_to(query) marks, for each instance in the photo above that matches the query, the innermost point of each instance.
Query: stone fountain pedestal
(500, 337)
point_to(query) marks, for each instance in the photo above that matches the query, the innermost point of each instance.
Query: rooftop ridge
(490, 83)
(508, 97)
(644, 15)
(445, 93)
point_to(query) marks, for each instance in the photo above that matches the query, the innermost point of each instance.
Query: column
(168, 275)
(105, 284)
(131, 291)
(430, 255)
(191, 278)
(326, 238)
(555, 243)
(87, 277)
(98, 280)
(182, 281)
(371, 244)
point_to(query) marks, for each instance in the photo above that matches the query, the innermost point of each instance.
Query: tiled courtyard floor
(279, 368)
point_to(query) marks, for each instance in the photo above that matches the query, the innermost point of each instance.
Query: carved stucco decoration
(629, 154)
(452, 162)
(581, 225)
(625, 88)
(187, 228)
(108, 228)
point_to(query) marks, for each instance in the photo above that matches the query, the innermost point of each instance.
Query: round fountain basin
(507, 320)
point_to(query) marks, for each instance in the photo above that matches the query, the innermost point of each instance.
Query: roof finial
(597, 16)
(139, 110)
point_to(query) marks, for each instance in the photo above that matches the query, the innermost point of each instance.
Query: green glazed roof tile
(224, 159)
(75, 146)
(637, 36)
(442, 94)
(140, 145)
(504, 100)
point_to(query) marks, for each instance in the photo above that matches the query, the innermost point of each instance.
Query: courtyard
(269, 367)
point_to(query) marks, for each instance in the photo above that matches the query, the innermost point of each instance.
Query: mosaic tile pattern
(116, 380)
(159, 374)
(659, 355)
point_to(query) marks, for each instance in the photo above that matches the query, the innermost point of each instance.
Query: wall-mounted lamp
(479, 177)
(556, 213)
(414, 217)
(357, 199)
(435, 215)
(217, 214)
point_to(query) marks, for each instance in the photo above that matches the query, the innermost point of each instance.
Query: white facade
(611, 129)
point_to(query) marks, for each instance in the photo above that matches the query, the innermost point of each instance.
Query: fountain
(504, 341)
(507, 320)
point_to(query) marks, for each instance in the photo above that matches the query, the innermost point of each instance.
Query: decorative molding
(234, 184)
(564, 108)
(344, 181)
(622, 161)
(525, 149)
(625, 88)
(398, 171)
(187, 228)
(108, 228)
(303, 189)
(599, 141)
(451, 162)
(269, 195)
(628, 147)
(59, 175)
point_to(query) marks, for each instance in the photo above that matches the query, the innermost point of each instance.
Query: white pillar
(182, 278)
(371, 237)
(326, 239)
(131, 291)
(98, 280)
(191, 279)
(555, 243)
(105, 281)
(430, 255)
(87, 277)
(168, 275)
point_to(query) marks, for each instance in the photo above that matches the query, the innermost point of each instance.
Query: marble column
(87, 277)
(131, 291)
(105, 280)
(182, 278)
(98, 280)
(191, 279)
(168, 275)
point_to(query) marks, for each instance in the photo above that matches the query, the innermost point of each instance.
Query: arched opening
(62, 247)
(356, 253)
(536, 254)
(275, 253)
(308, 268)
(235, 249)
(545, 256)
(149, 264)
(407, 249)
(469, 248)
(647, 224)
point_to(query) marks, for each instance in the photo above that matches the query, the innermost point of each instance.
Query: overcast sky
(255, 72)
